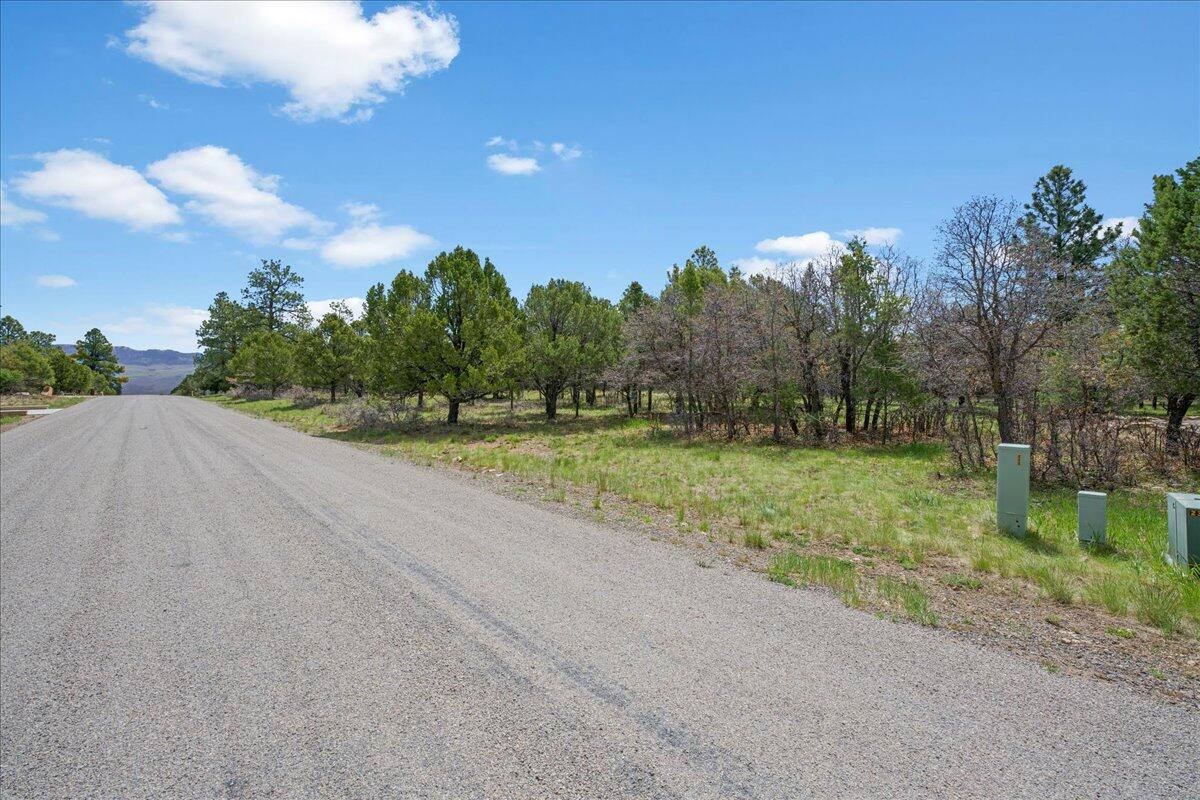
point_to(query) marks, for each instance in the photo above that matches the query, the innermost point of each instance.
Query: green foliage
(10, 380)
(389, 364)
(328, 356)
(28, 368)
(1155, 289)
(634, 299)
(70, 377)
(463, 334)
(219, 336)
(11, 330)
(570, 338)
(273, 290)
(1074, 230)
(96, 353)
(264, 360)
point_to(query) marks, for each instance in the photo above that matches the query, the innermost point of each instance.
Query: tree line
(31, 362)
(1033, 322)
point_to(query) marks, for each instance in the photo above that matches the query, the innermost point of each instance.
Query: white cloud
(300, 244)
(47, 235)
(230, 192)
(756, 265)
(13, 215)
(566, 152)
(319, 308)
(55, 281)
(178, 237)
(93, 185)
(500, 141)
(805, 246)
(158, 326)
(153, 102)
(513, 165)
(1128, 225)
(362, 212)
(333, 61)
(875, 236)
(368, 245)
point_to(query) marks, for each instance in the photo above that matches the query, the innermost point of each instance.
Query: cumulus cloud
(1129, 225)
(513, 165)
(319, 308)
(91, 184)
(230, 193)
(158, 326)
(55, 281)
(875, 237)
(368, 245)
(566, 152)
(805, 246)
(333, 61)
(13, 215)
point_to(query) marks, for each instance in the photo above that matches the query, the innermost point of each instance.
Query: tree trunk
(333, 392)
(1177, 407)
(420, 399)
(452, 414)
(1004, 418)
(650, 400)
(551, 403)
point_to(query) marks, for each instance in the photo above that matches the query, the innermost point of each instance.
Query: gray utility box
(1183, 529)
(1012, 488)
(1093, 507)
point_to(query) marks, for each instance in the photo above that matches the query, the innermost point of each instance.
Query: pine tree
(96, 353)
(1155, 288)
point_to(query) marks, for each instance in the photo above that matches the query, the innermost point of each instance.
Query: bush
(375, 412)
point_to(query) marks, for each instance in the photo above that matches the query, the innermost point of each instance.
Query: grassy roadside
(819, 515)
(34, 401)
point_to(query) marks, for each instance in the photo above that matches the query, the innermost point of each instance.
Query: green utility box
(1093, 513)
(1183, 529)
(1012, 488)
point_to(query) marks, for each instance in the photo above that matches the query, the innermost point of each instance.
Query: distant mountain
(149, 371)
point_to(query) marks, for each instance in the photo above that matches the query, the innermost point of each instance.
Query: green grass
(34, 401)
(902, 502)
(909, 596)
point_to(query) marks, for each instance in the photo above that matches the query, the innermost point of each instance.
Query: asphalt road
(195, 603)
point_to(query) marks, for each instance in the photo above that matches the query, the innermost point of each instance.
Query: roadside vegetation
(820, 512)
(831, 421)
(32, 365)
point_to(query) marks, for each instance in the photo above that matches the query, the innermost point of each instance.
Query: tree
(996, 297)
(464, 332)
(389, 361)
(273, 290)
(219, 336)
(69, 375)
(11, 330)
(1074, 230)
(96, 353)
(265, 360)
(1155, 289)
(634, 300)
(327, 356)
(571, 337)
(27, 367)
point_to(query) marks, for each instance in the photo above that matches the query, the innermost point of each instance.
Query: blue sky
(151, 156)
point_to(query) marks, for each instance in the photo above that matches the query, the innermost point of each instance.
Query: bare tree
(997, 294)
